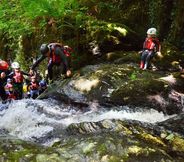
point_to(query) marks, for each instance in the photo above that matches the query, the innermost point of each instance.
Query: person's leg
(34, 94)
(148, 59)
(143, 58)
(3, 94)
(50, 71)
(31, 93)
(16, 90)
(64, 69)
(20, 91)
(63, 66)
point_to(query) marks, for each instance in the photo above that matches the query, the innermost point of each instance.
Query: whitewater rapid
(33, 119)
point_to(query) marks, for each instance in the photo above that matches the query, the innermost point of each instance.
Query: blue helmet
(43, 83)
(9, 80)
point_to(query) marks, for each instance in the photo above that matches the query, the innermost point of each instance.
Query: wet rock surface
(107, 140)
(122, 84)
(70, 133)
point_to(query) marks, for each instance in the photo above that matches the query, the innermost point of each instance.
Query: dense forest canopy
(25, 24)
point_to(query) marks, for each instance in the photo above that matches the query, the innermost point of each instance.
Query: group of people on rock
(12, 77)
(12, 81)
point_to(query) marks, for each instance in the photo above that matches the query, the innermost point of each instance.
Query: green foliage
(176, 27)
(101, 30)
(154, 9)
(11, 20)
(18, 16)
(81, 21)
(25, 18)
(52, 8)
(133, 76)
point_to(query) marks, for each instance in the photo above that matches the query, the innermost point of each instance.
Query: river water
(33, 120)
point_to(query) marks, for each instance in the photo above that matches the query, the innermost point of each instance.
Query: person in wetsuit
(55, 52)
(151, 47)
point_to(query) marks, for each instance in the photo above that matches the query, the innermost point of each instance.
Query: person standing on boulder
(151, 47)
(57, 56)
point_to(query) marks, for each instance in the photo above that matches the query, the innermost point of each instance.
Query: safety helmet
(65, 47)
(44, 49)
(15, 65)
(9, 80)
(43, 83)
(152, 31)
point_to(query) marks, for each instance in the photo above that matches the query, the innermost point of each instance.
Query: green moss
(123, 129)
(151, 139)
(178, 144)
(102, 149)
(88, 149)
(115, 159)
(138, 88)
(51, 158)
(136, 150)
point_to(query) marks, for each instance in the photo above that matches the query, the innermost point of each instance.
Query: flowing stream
(32, 120)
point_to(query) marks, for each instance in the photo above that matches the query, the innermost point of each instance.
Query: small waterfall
(34, 119)
(151, 116)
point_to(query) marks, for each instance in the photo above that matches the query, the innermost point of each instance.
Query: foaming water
(33, 119)
(151, 116)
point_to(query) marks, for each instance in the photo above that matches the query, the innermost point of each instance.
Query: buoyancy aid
(149, 44)
(67, 51)
(18, 77)
(34, 86)
(55, 58)
(10, 91)
(8, 87)
(3, 65)
(157, 44)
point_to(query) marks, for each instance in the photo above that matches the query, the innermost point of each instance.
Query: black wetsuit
(64, 61)
(2, 90)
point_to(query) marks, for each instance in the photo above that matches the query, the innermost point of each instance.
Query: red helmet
(3, 65)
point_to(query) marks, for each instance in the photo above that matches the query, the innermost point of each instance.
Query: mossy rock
(121, 57)
(172, 58)
(110, 141)
(120, 82)
(12, 149)
(137, 91)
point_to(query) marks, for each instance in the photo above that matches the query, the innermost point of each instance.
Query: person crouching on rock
(57, 56)
(151, 47)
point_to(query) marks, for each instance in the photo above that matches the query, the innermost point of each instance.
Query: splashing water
(33, 119)
(151, 116)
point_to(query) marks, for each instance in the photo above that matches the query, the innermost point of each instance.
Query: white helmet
(15, 65)
(152, 31)
(65, 47)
